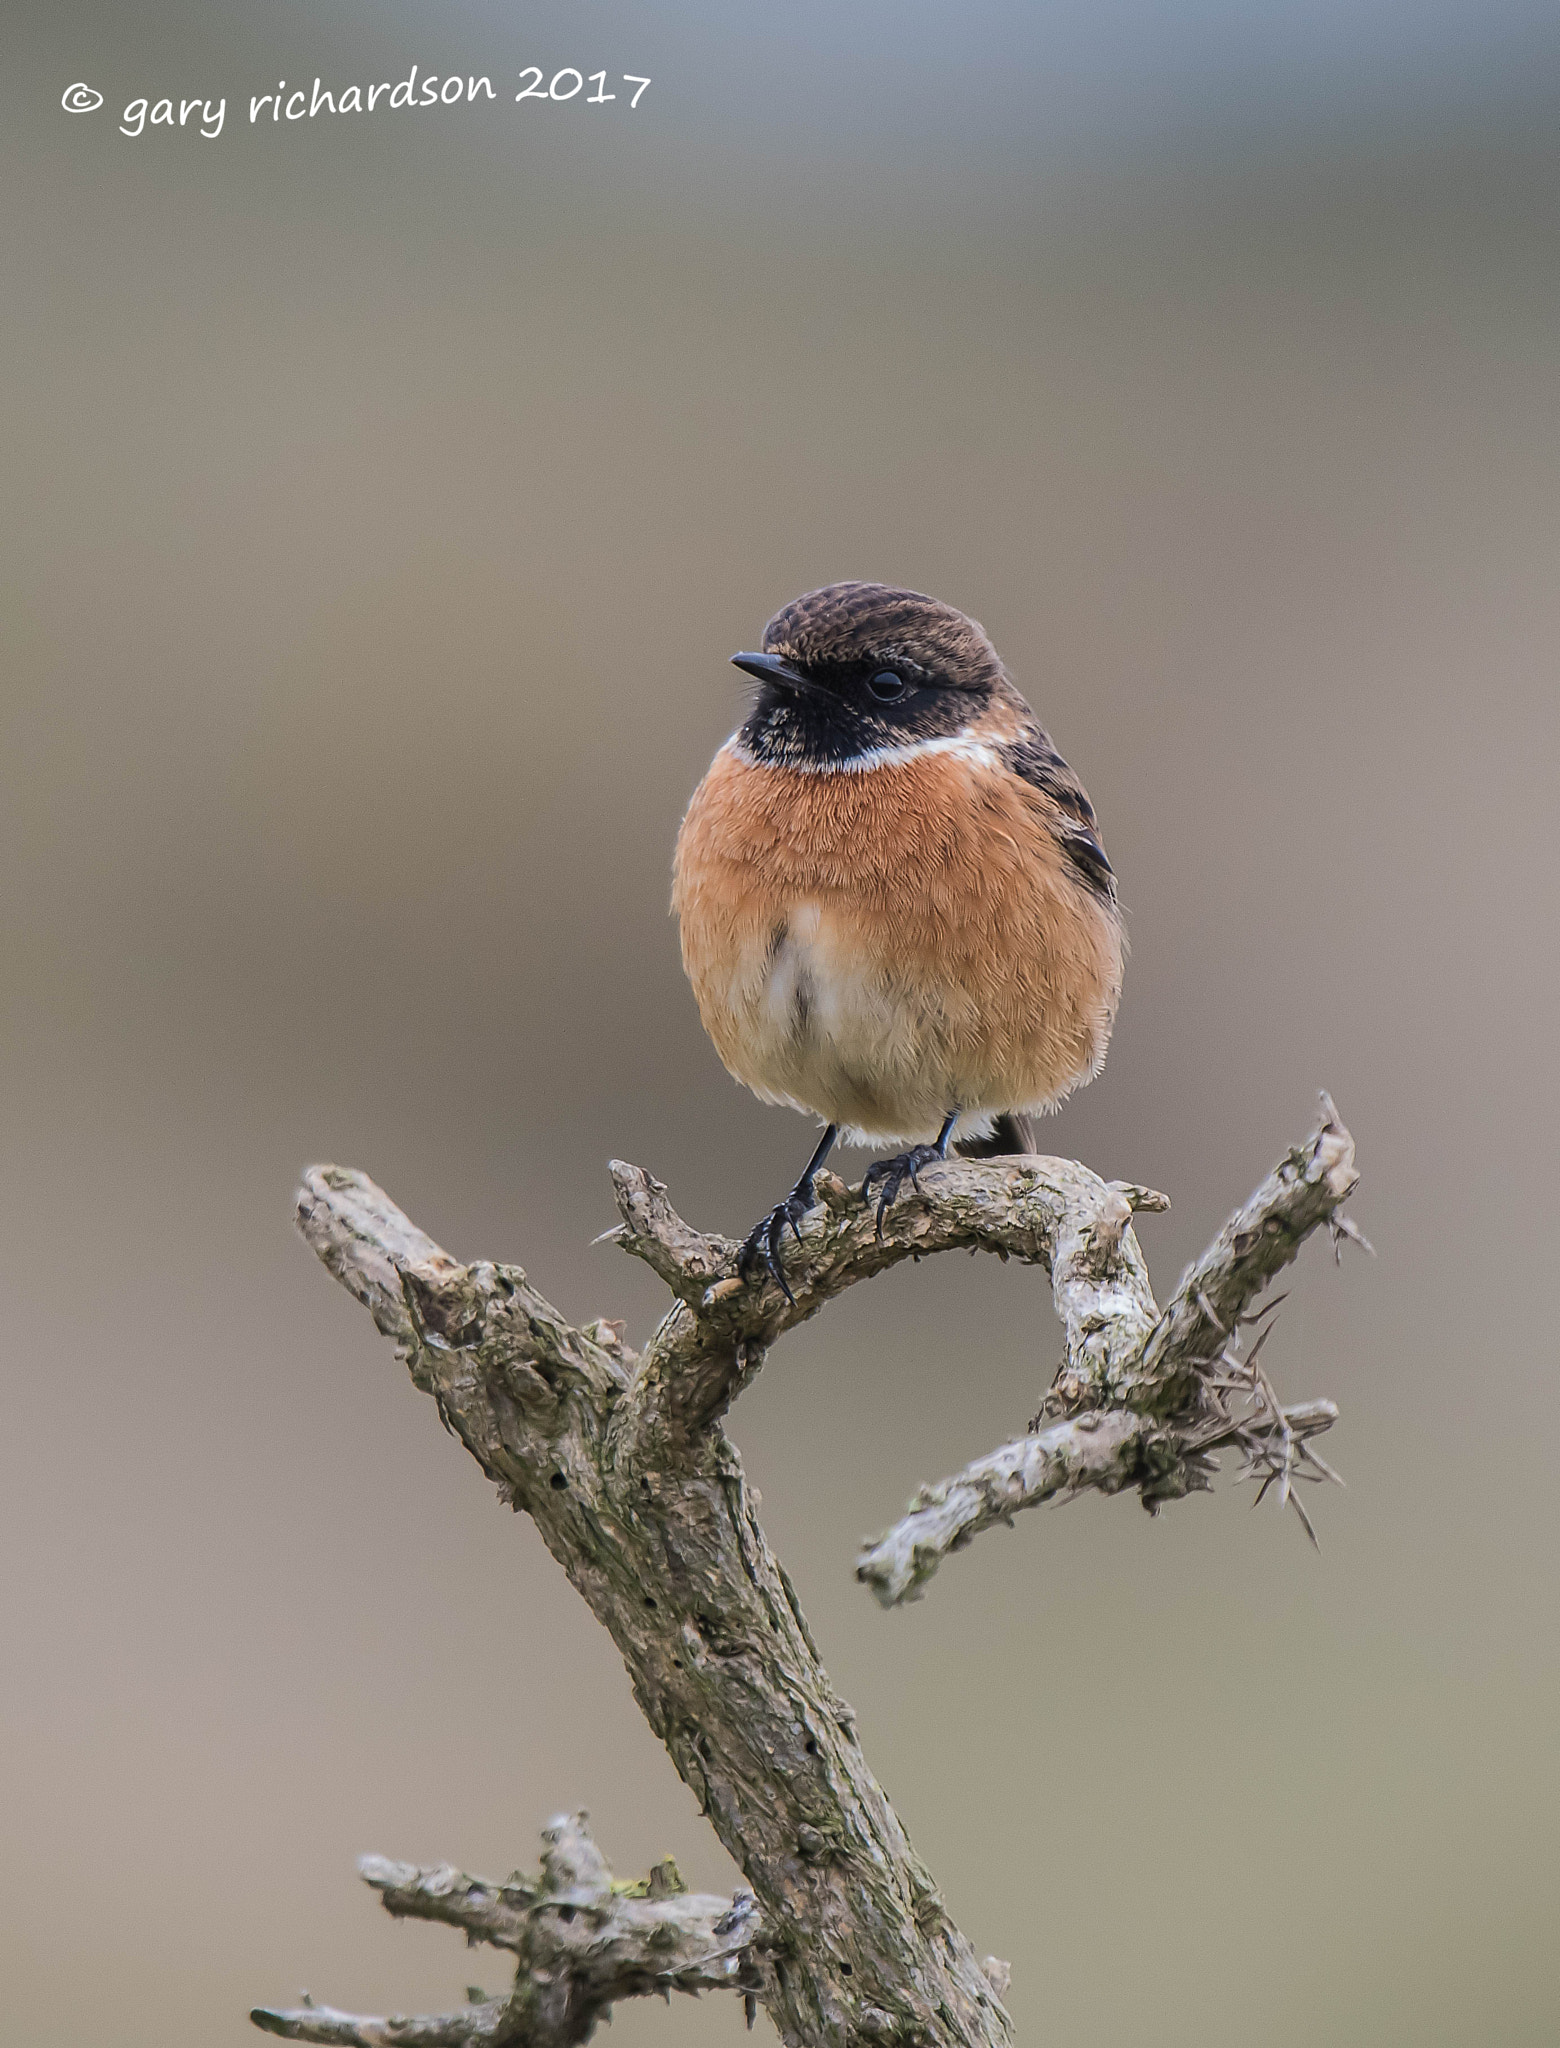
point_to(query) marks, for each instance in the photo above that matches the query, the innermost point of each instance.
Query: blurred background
(383, 497)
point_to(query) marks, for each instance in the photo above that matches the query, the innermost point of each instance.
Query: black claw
(762, 1243)
(761, 1246)
(904, 1166)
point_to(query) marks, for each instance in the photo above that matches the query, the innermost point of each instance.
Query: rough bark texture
(582, 1942)
(620, 1460)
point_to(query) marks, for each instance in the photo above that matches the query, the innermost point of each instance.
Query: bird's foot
(893, 1173)
(761, 1246)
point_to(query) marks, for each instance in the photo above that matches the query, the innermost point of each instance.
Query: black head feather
(857, 667)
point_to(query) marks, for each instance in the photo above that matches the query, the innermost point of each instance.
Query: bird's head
(852, 671)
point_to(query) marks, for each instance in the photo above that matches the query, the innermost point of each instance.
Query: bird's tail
(1010, 1132)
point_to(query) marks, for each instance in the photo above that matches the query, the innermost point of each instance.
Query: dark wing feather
(1077, 829)
(1010, 1132)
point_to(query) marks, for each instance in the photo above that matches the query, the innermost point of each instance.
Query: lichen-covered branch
(651, 1518)
(1102, 1449)
(620, 1459)
(1150, 1404)
(1306, 1190)
(582, 1943)
(1051, 1212)
(484, 2020)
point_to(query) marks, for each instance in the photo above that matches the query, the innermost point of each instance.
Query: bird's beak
(769, 668)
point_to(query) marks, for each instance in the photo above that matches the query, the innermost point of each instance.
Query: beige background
(381, 507)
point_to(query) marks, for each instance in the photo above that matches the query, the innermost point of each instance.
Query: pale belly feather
(818, 1026)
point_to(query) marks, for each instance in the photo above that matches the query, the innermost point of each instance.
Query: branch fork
(621, 1460)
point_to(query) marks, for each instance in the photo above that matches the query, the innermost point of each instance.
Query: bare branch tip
(1345, 1227)
(323, 2023)
(1332, 1154)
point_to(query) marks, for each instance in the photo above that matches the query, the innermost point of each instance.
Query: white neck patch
(960, 746)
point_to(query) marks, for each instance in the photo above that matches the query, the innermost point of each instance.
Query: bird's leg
(763, 1241)
(904, 1166)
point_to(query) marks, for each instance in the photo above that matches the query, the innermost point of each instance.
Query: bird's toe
(893, 1173)
(762, 1246)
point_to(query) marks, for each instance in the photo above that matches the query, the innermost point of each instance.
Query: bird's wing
(1032, 757)
(1010, 1132)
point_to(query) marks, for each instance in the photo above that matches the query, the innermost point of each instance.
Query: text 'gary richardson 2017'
(456, 90)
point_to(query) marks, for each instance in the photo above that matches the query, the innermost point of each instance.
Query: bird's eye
(886, 686)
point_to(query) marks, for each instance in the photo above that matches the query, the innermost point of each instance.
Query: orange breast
(882, 946)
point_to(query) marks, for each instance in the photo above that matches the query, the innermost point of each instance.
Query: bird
(893, 899)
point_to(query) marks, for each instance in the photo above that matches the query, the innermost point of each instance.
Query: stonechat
(895, 907)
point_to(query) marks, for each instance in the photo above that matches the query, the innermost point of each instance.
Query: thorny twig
(1144, 1400)
(1246, 1414)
